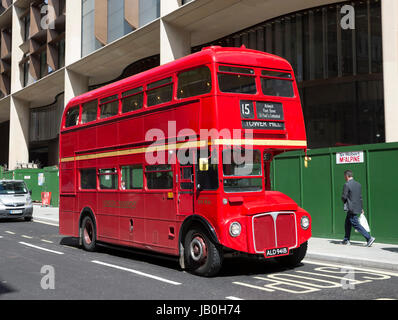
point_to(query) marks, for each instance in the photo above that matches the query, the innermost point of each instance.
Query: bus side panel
(160, 220)
(67, 215)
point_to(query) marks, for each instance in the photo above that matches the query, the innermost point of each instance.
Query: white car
(15, 200)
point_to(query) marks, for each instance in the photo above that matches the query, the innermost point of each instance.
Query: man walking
(352, 199)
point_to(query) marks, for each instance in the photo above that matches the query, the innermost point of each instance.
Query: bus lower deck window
(88, 179)
(108, 179)
(159, 176)
(132, 177)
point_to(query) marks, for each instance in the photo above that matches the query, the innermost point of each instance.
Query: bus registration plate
(270, 253)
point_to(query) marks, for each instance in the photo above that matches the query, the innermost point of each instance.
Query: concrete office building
(53, 50)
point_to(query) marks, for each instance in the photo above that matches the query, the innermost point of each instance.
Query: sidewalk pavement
(379, 255)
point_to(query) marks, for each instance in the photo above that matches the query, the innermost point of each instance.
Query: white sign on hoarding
(349, 157)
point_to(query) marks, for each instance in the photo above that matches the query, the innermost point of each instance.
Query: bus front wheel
(88, 234)
(202, 256)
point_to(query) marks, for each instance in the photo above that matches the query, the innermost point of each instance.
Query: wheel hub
(198, 249)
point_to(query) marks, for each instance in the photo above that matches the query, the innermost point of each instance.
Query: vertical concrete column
(390, 65)
(17, 73)
(73, 31)
(174, 42)
(75, 84)
(19, 132)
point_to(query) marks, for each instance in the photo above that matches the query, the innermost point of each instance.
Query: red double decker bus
(177, 160)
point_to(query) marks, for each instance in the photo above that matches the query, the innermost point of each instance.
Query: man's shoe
(370, 242)
(346, 242)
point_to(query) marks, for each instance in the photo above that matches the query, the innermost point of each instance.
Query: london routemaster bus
(177, 160)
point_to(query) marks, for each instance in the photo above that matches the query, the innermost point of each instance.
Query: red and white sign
(349, 157)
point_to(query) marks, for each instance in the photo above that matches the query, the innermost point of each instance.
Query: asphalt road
(37, 263)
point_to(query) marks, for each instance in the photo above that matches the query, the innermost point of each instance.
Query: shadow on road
(232, 266)
(391, 249)
(5, 288)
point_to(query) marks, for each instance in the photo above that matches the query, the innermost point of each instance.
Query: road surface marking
(253, 286)
(40, 248)
(48, 223)
(9, 232)
(233, 298)
(1, 237)
(381, 272)
(136, 272)
(46, 241)
(385, 299)
(26, 237)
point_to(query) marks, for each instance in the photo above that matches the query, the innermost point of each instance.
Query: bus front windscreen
(242, 170)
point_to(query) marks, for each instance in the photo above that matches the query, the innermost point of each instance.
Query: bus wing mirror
(203, 164)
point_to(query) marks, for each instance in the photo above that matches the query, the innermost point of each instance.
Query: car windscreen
(11, 187)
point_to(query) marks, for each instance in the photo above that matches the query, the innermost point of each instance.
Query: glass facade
(89, 42)
(117, 24)
(339, 71)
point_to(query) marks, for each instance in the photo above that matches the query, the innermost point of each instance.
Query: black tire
(89, 234)
(205, 264)
(295, 257)
(27, 219)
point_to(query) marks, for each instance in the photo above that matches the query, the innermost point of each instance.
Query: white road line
(233, 298)
(40, 248)
(253, 286)
(26, 237)
(386, 299)
(48, 223)
(46, 241)
(389, 273)
(10, 232)
(137, 272)
(1, 237)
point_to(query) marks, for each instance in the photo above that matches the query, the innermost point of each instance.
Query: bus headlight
(305, 222)
(235, 229)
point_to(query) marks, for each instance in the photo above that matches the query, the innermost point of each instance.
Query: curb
(46, 220)
(362, 262)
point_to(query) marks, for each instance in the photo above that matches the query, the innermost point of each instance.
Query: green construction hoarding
(318, 187)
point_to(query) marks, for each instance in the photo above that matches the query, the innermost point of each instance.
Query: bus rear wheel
(202, 256)
(295, 257)
(88, 234)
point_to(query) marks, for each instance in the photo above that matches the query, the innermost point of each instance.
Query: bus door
(185, 196)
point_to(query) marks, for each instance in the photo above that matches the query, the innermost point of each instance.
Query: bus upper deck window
(160, 91)
(194, 82)
(132, 100)
(89, 111)
(72, 117)
(237, 80)
(282, 87)
(109, 107)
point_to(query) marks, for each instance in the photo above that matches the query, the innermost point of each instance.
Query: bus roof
(206, 55)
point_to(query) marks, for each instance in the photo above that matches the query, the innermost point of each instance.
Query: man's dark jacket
(352, 197)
